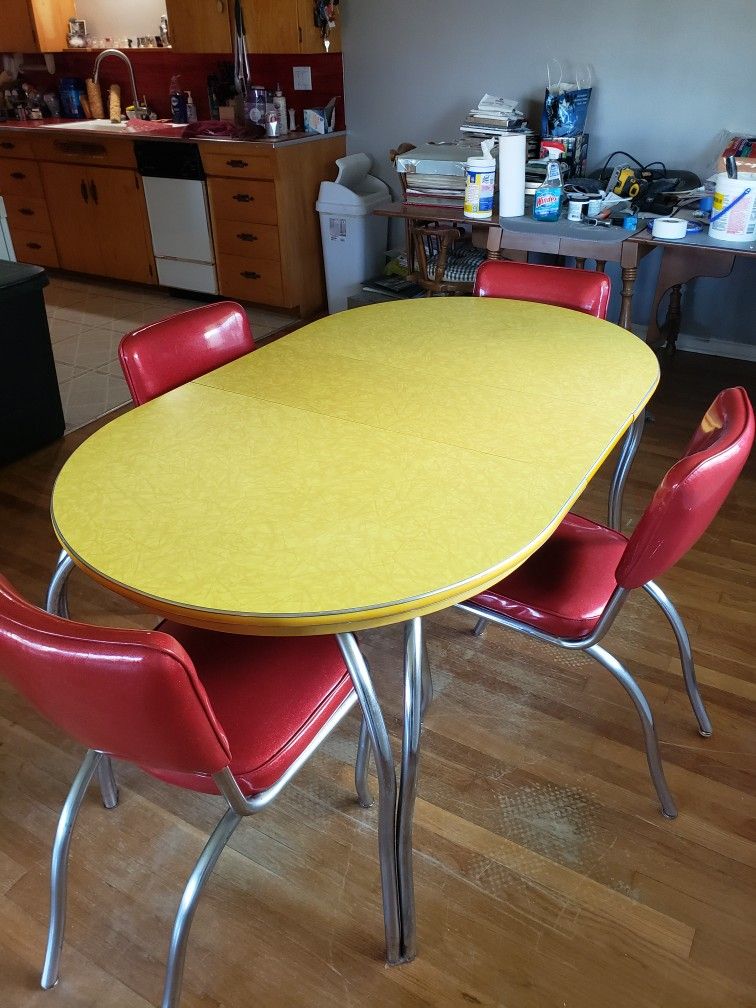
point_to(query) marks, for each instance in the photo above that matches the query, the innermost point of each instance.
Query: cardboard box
(320, 120)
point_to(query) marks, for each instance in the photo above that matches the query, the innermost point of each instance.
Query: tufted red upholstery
(583, 290)
(251, 703)
(564, 587)
(161, 356)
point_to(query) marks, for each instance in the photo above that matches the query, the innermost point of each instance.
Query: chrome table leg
(630, 445)
(414, 660)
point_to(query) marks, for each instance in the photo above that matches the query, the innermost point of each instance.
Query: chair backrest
(161, 356)
(583, 290)
(131, 693)
(692, 491)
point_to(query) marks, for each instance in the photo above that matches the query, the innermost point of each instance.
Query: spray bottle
(547, 203)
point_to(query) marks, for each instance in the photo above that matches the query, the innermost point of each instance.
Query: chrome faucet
(140, 112)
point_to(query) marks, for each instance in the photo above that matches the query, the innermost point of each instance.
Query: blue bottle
(70, 101)
(547, 202)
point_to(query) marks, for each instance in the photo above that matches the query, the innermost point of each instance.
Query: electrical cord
(634, 160)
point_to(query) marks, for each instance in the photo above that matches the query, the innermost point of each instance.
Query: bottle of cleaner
(279, 102)
(177, 97)
(547, 202)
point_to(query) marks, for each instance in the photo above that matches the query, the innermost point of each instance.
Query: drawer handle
(237, 163)
(81, 148)
(250, 275)
(26, 211)
(17, 175)
(33, 245)
(246, 236)
(243, 197)
(7, 145)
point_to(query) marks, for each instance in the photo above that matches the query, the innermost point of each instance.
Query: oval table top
(375, 465)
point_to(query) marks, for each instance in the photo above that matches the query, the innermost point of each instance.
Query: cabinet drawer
(20, 178)
(240, 238)
(250, 279)
(34, 247)
(15, 145)
(236, 164)
(27, 214)
(65, 147)
(242, 200)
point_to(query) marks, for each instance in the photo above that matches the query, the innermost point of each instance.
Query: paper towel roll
(512, 175)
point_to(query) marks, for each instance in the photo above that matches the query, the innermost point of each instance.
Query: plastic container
(480, 176)
(70, 98)
(354, 241)
(733, 215)
(191, 108)
(279, 103)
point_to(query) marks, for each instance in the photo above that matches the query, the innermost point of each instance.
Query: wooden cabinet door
(51, 23)
(271, 26)
(123, 238)
(17, 28)
(74, 222)
(310, 38)
(201, 26)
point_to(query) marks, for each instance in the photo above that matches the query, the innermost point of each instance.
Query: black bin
(31, 414)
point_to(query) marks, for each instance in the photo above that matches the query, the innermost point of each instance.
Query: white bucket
(739, 223)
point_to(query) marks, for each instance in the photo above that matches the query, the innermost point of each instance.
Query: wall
(120, 20)
(664, 88)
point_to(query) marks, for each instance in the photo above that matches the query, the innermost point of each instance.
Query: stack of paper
(493, 116)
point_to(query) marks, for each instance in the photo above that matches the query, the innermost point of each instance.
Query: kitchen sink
(99, 125)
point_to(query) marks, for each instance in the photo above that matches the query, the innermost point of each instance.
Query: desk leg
(384, 763)
(629, 274)
(493, 243)
(414, 659)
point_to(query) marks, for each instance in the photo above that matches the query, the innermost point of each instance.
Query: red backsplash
(153, 69)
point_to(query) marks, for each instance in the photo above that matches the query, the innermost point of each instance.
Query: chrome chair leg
(361, 766)
(56, 599)
(59, 868)
(414, 659)
(426, 680)
(107, 781)
(686, 656)
(619, 477)
(56, 602)
(384, 764)
(189, 899)
(480, 627)
(636, 694)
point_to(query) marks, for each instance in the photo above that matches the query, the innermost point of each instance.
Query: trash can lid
(20, 278)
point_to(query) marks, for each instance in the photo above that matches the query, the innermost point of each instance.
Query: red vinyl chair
(161, 356)
(211, 712)
(570, 591)
(582, 290)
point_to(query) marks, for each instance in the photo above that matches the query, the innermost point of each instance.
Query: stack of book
(435, 190)
(492, 117)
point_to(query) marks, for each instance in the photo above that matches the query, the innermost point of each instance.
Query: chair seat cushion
(564, 587)
(272, 695)
(462, 264)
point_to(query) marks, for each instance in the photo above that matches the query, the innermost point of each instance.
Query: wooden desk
(373, 466)
(693, 256)
(562, 237)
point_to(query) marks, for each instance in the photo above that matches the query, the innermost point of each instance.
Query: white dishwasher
(176, 198)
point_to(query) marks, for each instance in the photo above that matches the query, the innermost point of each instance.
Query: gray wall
(663, 89)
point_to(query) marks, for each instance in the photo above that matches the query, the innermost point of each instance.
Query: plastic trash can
(31, 414)
(354, 241)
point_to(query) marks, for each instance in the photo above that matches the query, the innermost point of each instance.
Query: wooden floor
(545, 874)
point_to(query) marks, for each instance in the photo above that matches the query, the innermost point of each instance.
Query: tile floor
(87, 319)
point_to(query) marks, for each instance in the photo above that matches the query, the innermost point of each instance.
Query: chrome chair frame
(590, 645)
(240, 806)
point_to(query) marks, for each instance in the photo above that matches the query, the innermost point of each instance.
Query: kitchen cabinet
(199, 26)
(265, 227)
(286, 26)
(35, 25)
(98, 220)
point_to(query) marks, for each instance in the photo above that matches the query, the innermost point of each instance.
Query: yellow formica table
(372, 467)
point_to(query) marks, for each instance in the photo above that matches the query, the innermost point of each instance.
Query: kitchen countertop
(168, 132)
